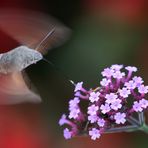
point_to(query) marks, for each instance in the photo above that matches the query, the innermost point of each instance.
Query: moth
(37, 33)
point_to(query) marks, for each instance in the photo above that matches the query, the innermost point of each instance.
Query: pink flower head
(74, 113)
(120, 118)
(92, 118)
(101, 122)
(105, 108)
(143, 103)
(105, 82)
(94, 96)
(137, 80)
(124, 92)
(78, 86)
(130, 85)
(143, 89)
(77, 94)
(137, 107)
(116, 67)
(102, 109)
(131, 68)
(118, 75)
(74, 103)
(94, 133)
(110, 98)
(63, 120)
(116, 105)
(107, 72)
(67, 133)
(92, 110)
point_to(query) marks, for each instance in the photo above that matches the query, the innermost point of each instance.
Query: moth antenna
(42, 41)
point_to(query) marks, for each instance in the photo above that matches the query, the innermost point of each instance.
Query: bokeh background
(104, 32)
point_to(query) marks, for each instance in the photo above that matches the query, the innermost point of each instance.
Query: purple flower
(118, 75)
(77, 94)
(137, 107)
(116, 67)
(92, 110)
(143, 103)
(93, 118)
(94, 133)
(105, 108)
(101, 122)
(120, 118)
(94, 96)
(124, 92)
(130, 85)
(74, 113)
(143, 89)
(131, 68)
(74, 103)
(105, 82)
(63, 120)
(107, 72)
(67, 133)
(110, 98)
(78, 86)
(137, 80)
(95, 111)
(116, 105)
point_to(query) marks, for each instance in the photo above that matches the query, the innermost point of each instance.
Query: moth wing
(14, 90)
(31, 27)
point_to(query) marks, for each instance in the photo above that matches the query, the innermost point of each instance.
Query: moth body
(18, 59)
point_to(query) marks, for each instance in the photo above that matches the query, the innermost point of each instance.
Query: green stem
(144, 128)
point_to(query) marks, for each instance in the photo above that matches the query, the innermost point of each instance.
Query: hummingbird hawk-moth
(37, 33)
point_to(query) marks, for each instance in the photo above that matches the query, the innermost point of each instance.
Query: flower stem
(144, 128)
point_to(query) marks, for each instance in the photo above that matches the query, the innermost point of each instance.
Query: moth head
(36, 56)
(29, 56)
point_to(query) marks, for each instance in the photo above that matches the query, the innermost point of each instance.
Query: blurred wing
(13, 90)
(31, 27)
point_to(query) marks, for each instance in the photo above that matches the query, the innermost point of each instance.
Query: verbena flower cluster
(94, 111)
